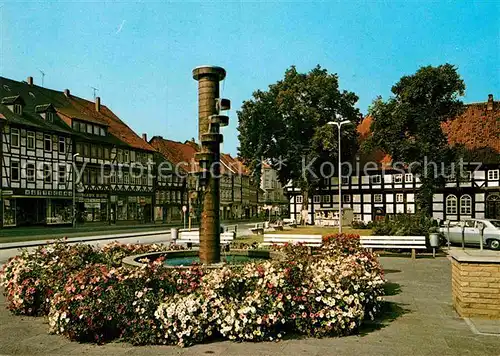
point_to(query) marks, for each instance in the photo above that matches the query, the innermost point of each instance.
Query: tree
(408, 126)
(286, 126)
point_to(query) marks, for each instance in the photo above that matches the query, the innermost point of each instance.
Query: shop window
(62, 144)
(30, 140)
(466, 204)
(451, 204)
(9, 212)
(14, 171)
(30, 172)
(14, 137)
(47, 143)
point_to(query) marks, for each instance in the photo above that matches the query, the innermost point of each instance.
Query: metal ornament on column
(209, 123)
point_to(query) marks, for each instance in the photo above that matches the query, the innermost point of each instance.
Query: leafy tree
(408, 126)
(286, 126)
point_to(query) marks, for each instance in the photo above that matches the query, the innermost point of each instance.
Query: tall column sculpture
(209, 123)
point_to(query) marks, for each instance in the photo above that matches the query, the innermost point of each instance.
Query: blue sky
(140, 55)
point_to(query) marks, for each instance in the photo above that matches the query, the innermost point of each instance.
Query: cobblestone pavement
(419, 320)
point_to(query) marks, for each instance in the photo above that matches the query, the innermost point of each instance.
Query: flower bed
(328, 293)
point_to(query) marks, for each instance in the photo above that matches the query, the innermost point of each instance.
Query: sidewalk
(418, 320)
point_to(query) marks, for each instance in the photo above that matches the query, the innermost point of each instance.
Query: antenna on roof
(43, 75)
(95, 90)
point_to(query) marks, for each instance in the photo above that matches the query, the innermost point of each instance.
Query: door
(493, 207)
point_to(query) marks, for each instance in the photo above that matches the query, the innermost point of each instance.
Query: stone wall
(476, 287)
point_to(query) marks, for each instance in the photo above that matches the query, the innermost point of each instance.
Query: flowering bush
(328, 292)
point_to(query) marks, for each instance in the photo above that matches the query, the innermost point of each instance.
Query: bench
(403, 242)
(281, 239)
(193, 237)
(258, 229)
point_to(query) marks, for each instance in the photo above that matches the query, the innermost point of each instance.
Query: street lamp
(339, 124)
(73, 185)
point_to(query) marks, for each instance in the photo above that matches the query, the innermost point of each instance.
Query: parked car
(472, 232)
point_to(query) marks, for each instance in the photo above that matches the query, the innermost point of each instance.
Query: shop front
(92, 207)
(131, 208)
(30, 207)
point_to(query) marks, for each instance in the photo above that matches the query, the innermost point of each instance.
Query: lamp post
(73, 185)
(339, 124)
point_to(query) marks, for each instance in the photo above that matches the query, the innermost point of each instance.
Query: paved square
(419, 320)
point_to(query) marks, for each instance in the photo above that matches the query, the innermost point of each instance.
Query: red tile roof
(477, 128)
(178, 153)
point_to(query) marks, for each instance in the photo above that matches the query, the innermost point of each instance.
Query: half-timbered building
(44, 132)
(384, 191)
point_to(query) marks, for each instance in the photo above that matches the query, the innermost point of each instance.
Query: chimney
(30, 80)
(67, 93)
(145, 137)
(97, 104)
(489, 105)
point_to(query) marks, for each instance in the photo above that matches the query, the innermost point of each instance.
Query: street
(148, 237)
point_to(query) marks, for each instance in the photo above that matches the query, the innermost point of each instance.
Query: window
(377, 198)
(106, 152)
(14, 137)
(113, 177)
(375, 179)
(93, 176)
(125, 156)
(47, 173)
(96, 130)
(451, 204)
(126, 177)
(49, 116)
(83, 127)
(14, 171)
(132, 156)
(62, 144)
(89, 128)
(86, 150)
(345, 180)
(400, 198)
(398, 178)
(18, 109)
(62, 173)
(467, 176)
(325, 198)
(119, 156)
(76, 125)
(30, 172)
(99, 152)
(298, 199)
(102, 131)
(93, 149)
(79, 148)
(493, 174)
(30, 140)
(346, 198)
(316, 199)
(409, 178)
(47, 143)
(465, 205)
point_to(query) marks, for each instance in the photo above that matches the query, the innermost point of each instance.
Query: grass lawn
(305, 230)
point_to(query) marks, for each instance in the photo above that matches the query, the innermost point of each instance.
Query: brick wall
(476, 289)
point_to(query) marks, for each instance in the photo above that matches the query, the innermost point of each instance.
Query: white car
(472, 232)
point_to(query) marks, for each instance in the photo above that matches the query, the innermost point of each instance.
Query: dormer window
(18, 109)
(14, 103)
(46, 111)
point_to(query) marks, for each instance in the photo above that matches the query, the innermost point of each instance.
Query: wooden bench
(281, 239)
(258, 229)
(193, 237)
(402, 242)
